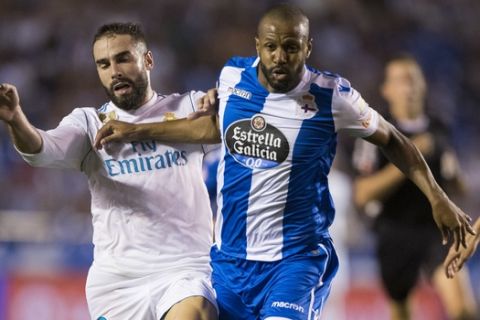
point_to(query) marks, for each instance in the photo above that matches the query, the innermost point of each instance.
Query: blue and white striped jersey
(273, 198)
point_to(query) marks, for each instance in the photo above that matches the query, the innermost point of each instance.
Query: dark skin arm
(200, 130)
(199, 127)
(452, 221)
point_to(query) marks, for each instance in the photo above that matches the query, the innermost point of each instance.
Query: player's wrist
(16, 118)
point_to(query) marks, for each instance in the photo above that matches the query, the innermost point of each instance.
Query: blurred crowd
(45, 50)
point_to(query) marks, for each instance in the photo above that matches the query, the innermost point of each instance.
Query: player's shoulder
(241, 62)
(329, 80)
(183, 103)
(186, 96)
(88, 112)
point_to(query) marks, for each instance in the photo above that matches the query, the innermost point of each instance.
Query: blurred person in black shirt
(408, 242)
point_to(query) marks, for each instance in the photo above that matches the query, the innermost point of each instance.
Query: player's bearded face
(282, 78)
(283, 48)
(132, 99)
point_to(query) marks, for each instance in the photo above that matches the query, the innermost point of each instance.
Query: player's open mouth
(121, 88)
(279, 74)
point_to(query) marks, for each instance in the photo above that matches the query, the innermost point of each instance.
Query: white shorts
(115, 297)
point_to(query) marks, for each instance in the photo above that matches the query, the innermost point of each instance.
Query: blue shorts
(295, 287)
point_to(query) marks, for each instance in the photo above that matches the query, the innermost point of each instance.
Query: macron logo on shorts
(288, 305)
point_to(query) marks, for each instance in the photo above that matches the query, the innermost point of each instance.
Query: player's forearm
(201, 130)
(405, 156)
(377, 186)
(24, 135)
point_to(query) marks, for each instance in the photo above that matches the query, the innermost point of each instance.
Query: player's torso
(278, 150)
(147, 194)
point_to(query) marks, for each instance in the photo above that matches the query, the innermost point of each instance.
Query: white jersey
(150, 207)
(273, 197)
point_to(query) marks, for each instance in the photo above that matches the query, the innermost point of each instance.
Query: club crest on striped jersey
(307, 107)
(256, 144)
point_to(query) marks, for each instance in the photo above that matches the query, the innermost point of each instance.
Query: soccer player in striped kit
(152, 242)
(278, 119)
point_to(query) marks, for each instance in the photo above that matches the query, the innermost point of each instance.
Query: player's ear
(257, 45)
(309, 47)
(148, 60)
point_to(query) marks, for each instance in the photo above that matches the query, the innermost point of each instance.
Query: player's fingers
(110, 138)
(450, 271)
(212, 96)
(457, 238)
(444, 231)
(459, 264)
(463, 234)
(195, 115)
(101, 134)
(470, 229)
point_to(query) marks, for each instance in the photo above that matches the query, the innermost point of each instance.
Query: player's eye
(292, 49)
(270, 46)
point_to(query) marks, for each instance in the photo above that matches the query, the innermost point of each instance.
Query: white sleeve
(65, 146)
(351, 113)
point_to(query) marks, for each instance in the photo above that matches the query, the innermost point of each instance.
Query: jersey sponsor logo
(146, 159)
(256, 144)
(240, 93)
(288, 305)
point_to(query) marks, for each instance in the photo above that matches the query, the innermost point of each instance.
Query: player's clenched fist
(9, 102)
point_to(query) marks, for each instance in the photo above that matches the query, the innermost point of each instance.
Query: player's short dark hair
(285, 12)
(129, 28)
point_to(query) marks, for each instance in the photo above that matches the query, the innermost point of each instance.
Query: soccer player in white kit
(278, 118)
(152, 222)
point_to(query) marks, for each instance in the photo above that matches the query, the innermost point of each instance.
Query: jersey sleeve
(65, 146)
(351, 113)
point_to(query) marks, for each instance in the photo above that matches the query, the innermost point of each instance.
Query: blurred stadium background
(45, 50)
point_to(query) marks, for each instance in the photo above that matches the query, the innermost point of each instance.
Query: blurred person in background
(279, 119)
(150, 209)
(408, 241)
(456, 258)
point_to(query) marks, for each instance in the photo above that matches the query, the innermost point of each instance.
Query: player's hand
(456, 259)
(452, 222)
(9, 102)
(114, 131)
(206, 106)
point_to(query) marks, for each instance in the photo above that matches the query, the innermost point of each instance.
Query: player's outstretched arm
(452, 221)
(201, 130)
(457, 258)
(23, 134)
